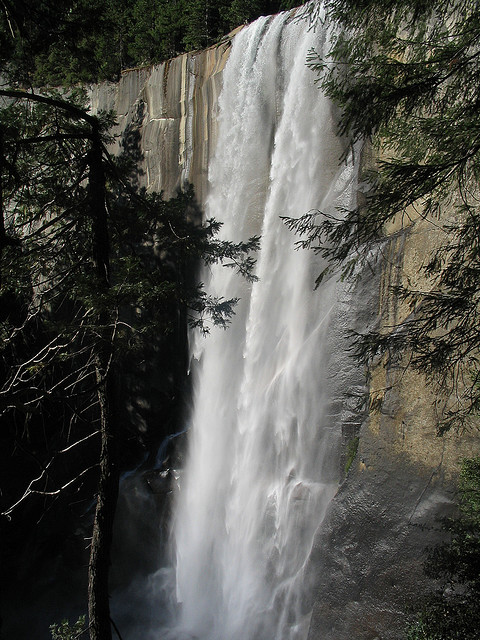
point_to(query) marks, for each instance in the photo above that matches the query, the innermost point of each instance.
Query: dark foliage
(46, 43)
(452, 612)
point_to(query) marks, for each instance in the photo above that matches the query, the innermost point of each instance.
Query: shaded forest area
(93, 40)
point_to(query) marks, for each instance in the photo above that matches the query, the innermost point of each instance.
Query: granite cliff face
(366, 563)
(173, 106)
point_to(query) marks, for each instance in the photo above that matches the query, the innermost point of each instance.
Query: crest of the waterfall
(258, 477)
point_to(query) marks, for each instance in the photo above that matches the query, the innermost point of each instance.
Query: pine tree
(157, 30)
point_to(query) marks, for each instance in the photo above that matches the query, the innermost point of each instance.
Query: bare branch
(29, 490)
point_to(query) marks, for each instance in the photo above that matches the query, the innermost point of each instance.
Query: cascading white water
(257, 480)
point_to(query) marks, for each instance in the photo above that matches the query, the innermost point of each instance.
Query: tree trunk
(99, 565)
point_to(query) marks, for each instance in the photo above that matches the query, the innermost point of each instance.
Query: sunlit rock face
(173, 106)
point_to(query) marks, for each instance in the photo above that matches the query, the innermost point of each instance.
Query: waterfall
(259, 473)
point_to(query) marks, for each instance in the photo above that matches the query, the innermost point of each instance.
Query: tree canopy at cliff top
(49, 43)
